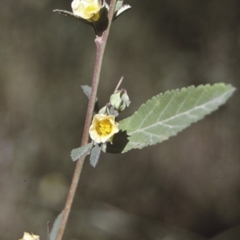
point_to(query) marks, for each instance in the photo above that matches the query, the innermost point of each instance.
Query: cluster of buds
(104, 126)
(119, 101)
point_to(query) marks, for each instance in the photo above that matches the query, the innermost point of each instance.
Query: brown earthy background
(186, 188)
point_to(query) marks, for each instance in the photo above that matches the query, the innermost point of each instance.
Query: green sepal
(95, 155)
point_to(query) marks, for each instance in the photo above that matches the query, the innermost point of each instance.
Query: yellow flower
(29, 236)
(87, 9)
(103, 128)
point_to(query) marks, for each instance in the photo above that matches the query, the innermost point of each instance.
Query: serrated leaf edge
(229, 92)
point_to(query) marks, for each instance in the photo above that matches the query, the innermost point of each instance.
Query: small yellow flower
(29, 236)
(103, 128)
(87, 9)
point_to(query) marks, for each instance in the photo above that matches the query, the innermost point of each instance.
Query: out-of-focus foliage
(190, 182)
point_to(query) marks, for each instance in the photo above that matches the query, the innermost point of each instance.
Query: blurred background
(185, 188)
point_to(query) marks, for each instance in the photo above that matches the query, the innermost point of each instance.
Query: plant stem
(100, 48)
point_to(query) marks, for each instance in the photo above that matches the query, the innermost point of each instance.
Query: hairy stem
(100, 48)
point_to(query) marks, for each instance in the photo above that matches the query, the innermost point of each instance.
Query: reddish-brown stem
(100, 48)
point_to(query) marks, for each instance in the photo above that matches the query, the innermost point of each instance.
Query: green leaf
(166, 114)
(56, 224)
(118, 5)
(121, 10)
(87, 91)
(95, 155)
(81, 151)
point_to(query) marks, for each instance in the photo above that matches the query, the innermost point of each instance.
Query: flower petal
(103, 128)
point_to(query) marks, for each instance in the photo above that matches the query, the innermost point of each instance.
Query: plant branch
(100, 48)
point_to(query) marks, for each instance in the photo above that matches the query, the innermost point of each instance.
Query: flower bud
(120, 100)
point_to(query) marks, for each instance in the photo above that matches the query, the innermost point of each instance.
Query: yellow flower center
(91, 8)
(104, 127)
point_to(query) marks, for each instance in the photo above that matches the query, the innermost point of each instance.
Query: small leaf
(121, 10)
(167, 114)
(95, 154)
(118, 5)
(87, 90)
(81, 151)
(56, 225)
